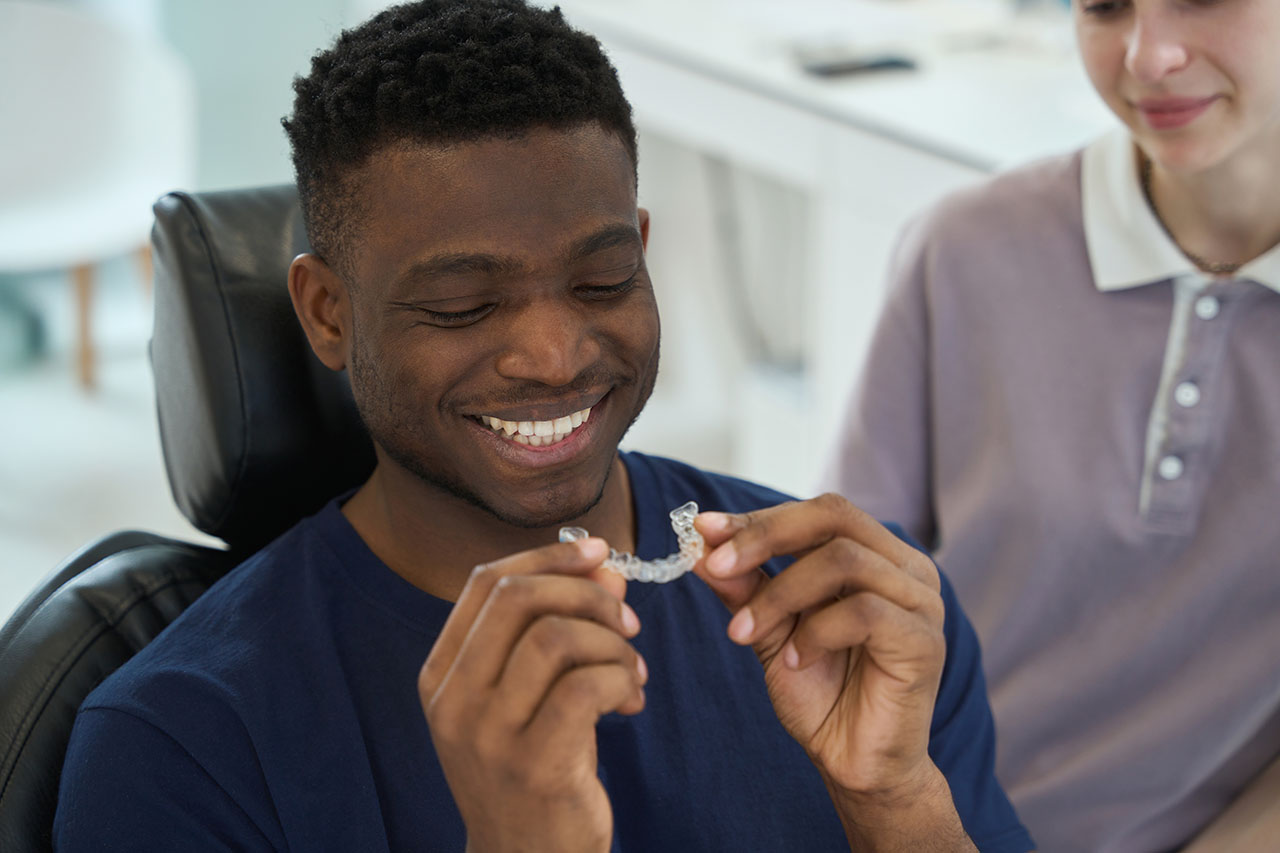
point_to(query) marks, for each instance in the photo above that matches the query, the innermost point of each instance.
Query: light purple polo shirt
(1088, 432)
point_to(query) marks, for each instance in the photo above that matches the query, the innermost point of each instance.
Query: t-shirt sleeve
(962, 740)
(881, 458)
(127, 785)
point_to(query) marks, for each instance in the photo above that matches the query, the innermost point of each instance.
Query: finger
(579, 557)
(716, 527)
(579, 698)
(551, 647)
(748, 540)
(514, 604)
(613, 582)
(733, 592)
(837, 569)
(903, 644)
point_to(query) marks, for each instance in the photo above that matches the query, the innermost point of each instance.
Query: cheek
(390, 379)
(1265, 88)
(639, 332)
(1103, 63)
(371, 383)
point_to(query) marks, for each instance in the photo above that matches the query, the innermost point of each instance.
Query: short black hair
(439, 71)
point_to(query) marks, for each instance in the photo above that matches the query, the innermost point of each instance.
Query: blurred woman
(1073, 396)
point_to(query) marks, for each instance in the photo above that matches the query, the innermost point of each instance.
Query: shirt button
(1170, 468)
(1187, 394)
(1207, 307)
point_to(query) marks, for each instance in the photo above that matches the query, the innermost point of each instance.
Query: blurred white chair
(97, 122)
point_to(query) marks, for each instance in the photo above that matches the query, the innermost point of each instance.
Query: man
(467, 171)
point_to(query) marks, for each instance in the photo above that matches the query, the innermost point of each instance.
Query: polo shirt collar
(1127, 245)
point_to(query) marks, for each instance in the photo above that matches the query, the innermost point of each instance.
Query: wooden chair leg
(82, 276)
(145, 268)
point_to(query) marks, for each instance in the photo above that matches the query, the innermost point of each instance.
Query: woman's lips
(1171, 113)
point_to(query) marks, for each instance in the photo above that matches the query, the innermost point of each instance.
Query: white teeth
(538, 433)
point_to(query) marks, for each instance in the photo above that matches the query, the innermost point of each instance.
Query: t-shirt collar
(1127, 246)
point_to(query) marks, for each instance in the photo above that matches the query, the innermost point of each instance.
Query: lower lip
(526, 455)
(1172, 119)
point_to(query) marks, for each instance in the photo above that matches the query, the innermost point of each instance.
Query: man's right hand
(533, 654)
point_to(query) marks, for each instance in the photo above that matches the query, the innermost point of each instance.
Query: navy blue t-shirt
(281, 712)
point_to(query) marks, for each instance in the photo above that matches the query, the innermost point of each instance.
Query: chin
(551, 510)
(1189, 150)
(1186, 153)
(550, 504)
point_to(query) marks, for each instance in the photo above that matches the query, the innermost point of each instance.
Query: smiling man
(421, 665)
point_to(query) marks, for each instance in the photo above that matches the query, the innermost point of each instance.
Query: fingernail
(741, 626)
(722, 559)
(790, 656)
(630, 621)
(642, 669)
(593, 548)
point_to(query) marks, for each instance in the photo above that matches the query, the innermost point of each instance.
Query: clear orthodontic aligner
(663, 569)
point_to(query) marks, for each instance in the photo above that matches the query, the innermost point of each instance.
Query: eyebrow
(463, 263)
(457, 263)
(606, 238)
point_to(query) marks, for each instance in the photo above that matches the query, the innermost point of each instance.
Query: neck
(1229, 213)
(433, 539)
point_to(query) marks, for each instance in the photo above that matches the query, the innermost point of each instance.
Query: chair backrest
(90, 616)
(256, 434)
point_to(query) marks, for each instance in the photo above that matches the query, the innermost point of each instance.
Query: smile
(1172, 113)
(538, 433)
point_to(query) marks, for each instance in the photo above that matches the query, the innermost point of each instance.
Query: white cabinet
(866, 152)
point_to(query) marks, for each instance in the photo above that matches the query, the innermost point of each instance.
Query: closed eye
(453, 319)
(606, 291)
(1103, 9)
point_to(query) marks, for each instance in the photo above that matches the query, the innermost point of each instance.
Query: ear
(643, 214)
(323, 307)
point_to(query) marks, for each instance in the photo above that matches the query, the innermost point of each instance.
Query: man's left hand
(850, 638)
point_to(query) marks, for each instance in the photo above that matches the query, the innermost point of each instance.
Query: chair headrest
(256, 432)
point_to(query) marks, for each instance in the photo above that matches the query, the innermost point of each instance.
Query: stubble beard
(393, 428)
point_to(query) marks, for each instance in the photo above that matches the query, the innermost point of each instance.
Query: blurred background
(783, 146)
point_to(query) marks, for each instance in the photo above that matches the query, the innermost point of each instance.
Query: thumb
(716, 529)
(615, 583)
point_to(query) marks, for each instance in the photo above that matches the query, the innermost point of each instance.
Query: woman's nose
(1156, 47)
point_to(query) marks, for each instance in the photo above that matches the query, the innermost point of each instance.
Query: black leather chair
(256, 434)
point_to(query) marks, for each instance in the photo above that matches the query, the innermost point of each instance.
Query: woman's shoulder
(1023, 199)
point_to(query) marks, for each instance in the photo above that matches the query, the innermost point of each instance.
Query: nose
(1155, 47)
(549, 342)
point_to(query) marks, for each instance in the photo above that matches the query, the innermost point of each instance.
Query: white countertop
(991, 89)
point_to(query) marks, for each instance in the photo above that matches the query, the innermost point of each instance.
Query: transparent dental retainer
(663, 569)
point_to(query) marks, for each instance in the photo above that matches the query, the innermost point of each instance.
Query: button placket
(1207, 307)
(1177, 478)
(1170, 468)
(1186, 394)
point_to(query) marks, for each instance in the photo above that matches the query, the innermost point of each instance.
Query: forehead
(526, 197)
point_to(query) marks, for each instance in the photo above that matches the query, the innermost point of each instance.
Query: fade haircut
(438, 72)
